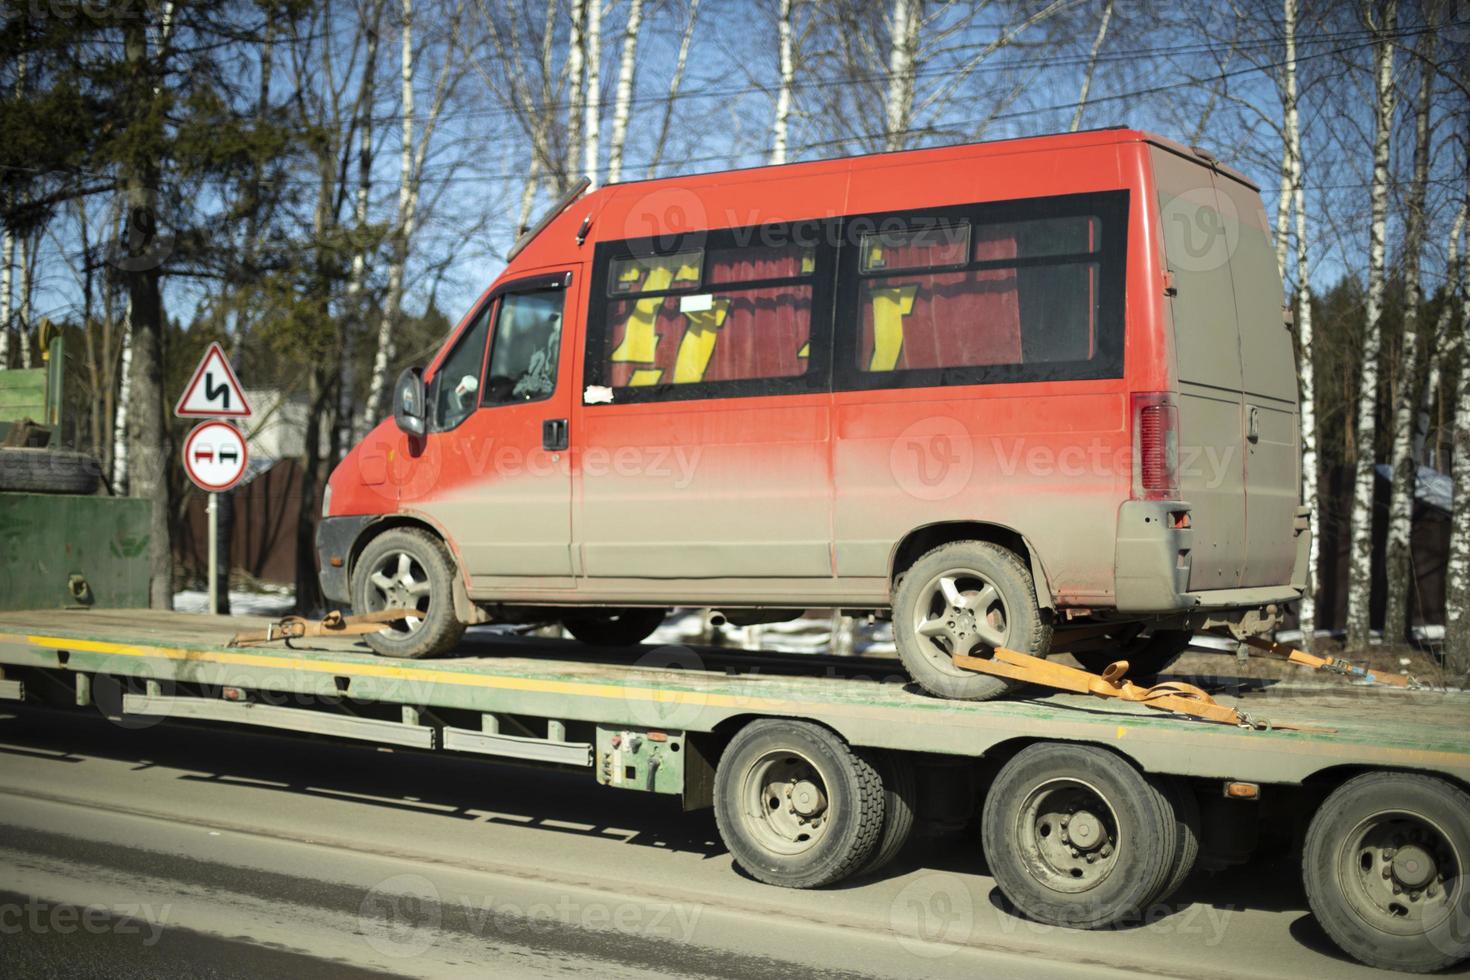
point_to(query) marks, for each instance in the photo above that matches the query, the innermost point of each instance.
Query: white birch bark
(1360, 555)
(903, 45)
(1398, 566)
(1296, 178)
(576, 51)
(357, 311)
(1097, 43)
(120, 420)
(7, 256)
(1442, 346)
(23, 315)
(1457, 572)
(590, 148)
(623, 98)
(783, 93)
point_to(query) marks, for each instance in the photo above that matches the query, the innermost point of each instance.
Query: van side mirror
(410, 410)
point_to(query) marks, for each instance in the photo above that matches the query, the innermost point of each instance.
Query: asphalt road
(217, 852)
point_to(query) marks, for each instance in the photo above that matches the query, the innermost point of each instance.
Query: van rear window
(1029, 291)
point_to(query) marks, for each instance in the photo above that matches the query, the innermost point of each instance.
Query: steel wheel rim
(785, 802)
(958, 611)
(1068, 835)
(399, 581)
(1400, 872)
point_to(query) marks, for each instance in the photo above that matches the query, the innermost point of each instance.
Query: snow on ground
(275, 602)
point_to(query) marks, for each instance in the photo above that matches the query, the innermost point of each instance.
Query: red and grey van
(1037, 393)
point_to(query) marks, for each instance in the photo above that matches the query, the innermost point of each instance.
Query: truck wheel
(615, 627)
(48, 471)
(1187, 833)
(1147, 656)
(408, 568)
(965, 597)
(1385, 865)
(900, 793)
(795, 805)
(1077, 837)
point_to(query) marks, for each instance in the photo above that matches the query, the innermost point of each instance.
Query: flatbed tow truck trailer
(820, 768)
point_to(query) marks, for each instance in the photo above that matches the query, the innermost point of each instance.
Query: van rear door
(1207, 358)
(1269, 386)
(1239, 462)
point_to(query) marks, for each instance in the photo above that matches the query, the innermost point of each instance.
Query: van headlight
(327, 501)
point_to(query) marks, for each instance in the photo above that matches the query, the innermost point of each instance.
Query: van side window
(526, 348)
(455, 389)
(690, 320)
(998, 297)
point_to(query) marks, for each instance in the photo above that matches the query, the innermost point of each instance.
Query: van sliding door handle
(1253, 424)
(554, 435)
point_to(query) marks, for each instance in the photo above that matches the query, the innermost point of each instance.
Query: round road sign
(215, 456)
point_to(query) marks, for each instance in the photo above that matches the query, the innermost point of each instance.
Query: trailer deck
(691, 690)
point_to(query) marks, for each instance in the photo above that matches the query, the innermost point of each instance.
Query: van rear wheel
(966, 597)
(408, 568)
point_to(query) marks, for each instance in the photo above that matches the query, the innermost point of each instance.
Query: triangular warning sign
(214, 391)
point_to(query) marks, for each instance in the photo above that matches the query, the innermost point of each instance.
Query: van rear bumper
(1152, 561)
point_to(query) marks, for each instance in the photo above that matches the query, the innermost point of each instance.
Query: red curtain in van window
(757, 333)
(954, 318)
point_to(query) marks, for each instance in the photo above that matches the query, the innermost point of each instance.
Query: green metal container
(59, 551)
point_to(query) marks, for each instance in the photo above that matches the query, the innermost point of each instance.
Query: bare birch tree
(623, 97)
(1381, 17)
(903, 52)
(590, 149)
(413, 151)
(676, 79)
(1457, 572)
(1397, 565)
(576, 68)
(787, 71)
(7, 256)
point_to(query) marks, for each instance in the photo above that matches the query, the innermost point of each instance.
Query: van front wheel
(408, 568)
(966, 597)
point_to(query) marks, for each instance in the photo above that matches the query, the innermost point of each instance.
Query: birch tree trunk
(576, 51)
(1296, 178)
(623, 99)
(355, 301)
(1398, 566)
(783, 93)
(590, 146)
(1097, 43)
(903, 51)
(403, 230)
(1442, 347)
(1360, 556)
(23, 315)
(124, 396)
(1457, 572)
(7, 256)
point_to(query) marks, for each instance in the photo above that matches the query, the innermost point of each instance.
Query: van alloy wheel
(400, 582)
(961, 610)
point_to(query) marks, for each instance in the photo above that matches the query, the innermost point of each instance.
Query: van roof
(1085, 137)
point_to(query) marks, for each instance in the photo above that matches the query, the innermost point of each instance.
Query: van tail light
(1155, 446)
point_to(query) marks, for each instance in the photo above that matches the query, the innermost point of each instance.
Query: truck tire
(48, 471)
(1147, 656)
(900, 795)
(968, 597)
(795, 805)
(615, 627)
(407, 567)
(1187, 834)
(1054, 806)
(1386, 866)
